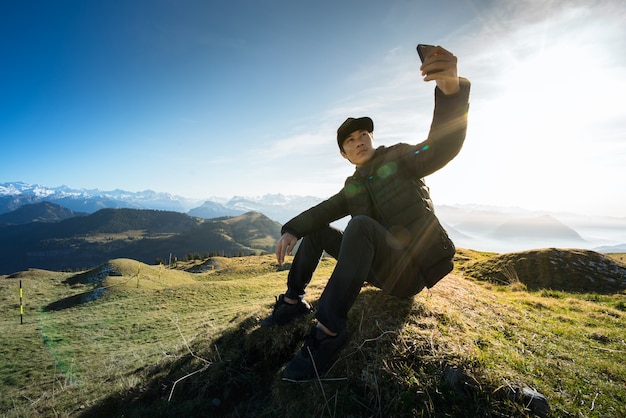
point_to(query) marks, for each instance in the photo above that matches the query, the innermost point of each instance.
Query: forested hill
(145, 235)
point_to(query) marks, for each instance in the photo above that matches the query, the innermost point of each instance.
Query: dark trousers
(365, 252)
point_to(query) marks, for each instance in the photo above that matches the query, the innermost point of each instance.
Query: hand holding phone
(441, 67)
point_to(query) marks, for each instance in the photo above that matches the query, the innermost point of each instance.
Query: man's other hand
(284, 246)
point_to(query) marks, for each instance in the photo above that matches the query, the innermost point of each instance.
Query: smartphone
(424, 50)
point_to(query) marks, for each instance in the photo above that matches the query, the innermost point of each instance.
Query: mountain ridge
(471, 226)
(37, 212)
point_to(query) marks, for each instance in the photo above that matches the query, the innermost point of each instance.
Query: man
(393, 240)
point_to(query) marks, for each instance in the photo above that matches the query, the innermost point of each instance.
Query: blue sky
(223, 98)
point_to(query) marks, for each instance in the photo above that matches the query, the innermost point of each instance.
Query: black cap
(351, 125)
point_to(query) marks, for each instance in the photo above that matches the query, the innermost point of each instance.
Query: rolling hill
(37, 212)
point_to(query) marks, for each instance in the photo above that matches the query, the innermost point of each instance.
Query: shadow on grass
(382, 372)
(240, 373)
(76, 300)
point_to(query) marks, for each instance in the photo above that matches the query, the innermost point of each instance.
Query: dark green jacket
(390, 187)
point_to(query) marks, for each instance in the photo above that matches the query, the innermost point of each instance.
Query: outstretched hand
(284, 246)
(441, 65)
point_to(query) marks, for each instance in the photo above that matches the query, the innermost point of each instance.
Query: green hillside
(135, 340)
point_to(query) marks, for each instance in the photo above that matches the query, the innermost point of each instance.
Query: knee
(360, 226)
(360, 222)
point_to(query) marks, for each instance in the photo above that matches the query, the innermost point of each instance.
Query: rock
(534, 401)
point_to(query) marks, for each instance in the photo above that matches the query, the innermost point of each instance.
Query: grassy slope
(455, 350)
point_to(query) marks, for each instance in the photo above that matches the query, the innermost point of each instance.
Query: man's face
(358, 147)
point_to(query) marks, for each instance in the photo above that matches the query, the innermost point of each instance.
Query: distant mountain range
(470, 226)
(276, 206)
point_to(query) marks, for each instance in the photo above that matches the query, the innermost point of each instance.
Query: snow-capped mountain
(15, 194)
(17, 188)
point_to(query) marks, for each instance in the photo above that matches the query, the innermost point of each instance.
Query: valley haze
(478, 227)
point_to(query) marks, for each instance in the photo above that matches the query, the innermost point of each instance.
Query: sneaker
(285, 312)
(316, 356)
